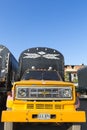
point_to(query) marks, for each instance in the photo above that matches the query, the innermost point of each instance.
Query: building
(71, 73)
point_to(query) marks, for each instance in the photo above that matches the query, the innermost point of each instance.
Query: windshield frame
(41, 75)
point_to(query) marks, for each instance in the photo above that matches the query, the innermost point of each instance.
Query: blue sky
(58, 24)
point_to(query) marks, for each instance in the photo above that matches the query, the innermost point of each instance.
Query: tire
(75, 127)
(8, 125)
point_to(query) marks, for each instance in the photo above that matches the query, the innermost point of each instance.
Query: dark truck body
(41, 58)
(82, 81)
(8, 73)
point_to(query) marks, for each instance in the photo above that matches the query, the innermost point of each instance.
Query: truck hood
(47, 82)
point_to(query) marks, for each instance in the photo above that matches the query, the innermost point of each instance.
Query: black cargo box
(8, 68)
(41, 58)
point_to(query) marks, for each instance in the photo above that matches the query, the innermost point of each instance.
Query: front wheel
(75, 127)
(8, 125)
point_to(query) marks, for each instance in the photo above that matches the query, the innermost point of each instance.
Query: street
(49, 126)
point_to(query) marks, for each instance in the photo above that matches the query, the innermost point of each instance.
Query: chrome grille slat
(44, 93)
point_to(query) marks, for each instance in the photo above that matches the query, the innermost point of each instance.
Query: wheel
(75, 127)
(8, 125)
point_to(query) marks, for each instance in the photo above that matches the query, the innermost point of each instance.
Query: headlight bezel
(21, 92)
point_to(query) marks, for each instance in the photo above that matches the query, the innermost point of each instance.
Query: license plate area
(43, 116)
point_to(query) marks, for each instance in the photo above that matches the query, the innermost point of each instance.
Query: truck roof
(4, 51)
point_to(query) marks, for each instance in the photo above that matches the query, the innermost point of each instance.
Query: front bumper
(32, 116)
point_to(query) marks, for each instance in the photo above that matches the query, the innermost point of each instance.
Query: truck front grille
(44, 93)
(44, 106)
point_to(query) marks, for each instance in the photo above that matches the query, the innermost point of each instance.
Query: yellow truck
(41, 95)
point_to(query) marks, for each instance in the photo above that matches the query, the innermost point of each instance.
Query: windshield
(41, 75)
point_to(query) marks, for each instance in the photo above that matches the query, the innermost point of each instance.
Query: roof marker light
(50, 68)
(33, 67)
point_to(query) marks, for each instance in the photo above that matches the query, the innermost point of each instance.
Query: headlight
(66, 93)
(22, 92)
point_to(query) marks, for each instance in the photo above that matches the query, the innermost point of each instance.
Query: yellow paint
(27, 111)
